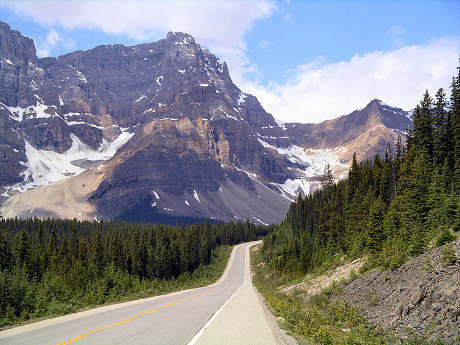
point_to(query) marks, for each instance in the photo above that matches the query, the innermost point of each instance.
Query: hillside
(422, 296)
(389, 210)
(418, 303)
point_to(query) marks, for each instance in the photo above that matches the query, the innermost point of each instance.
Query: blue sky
(300, 31)
(306, 61)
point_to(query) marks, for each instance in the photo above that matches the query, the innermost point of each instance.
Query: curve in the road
(170, 319)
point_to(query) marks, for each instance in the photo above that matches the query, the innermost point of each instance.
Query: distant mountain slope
(162, 122)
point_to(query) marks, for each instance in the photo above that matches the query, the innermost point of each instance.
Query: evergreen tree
(454, 132)
(375, 230)
(328, 179)
(5, 254)
(440, 136)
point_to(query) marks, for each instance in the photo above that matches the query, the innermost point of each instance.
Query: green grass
(321, 319)
(324, 318)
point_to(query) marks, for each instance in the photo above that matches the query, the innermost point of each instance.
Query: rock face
(180, 125)
(19, 68)
(422, 296)
(12, 149)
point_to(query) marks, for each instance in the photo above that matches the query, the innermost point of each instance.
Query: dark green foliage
(448, 255)
(55, 266)
(454, 130)
(444, 237)
(387, 209)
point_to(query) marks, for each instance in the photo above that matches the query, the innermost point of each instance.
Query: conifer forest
(389, 208)
(55, 266)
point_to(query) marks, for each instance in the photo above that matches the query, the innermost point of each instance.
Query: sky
(306, 61)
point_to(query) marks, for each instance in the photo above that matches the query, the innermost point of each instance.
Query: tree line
(56, 265)
(388, 208)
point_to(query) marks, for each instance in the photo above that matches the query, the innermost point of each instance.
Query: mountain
(159, 127)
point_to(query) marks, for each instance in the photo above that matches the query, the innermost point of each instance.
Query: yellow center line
(131, 318)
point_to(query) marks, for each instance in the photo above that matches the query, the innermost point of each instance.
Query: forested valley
(388, 209)
(55, 266)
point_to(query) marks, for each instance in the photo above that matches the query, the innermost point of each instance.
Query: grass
(324, 318)
(320, 319)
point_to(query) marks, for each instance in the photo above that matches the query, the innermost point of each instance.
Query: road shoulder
(245, 319)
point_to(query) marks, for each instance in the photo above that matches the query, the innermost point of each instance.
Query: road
(170, 319)
(243, 320)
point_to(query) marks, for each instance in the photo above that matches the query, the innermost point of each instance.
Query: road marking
(131, 318)
(200, 332)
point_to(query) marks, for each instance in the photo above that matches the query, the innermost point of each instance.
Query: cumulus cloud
(217, 25)
(322, 90)
(52, 40)
(212, 22)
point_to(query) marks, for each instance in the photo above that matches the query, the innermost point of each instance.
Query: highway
(170, 319)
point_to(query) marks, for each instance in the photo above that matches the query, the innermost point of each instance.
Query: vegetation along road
(177, 318)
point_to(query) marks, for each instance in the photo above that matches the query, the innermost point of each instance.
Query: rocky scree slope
(162, 125)
(421, 297)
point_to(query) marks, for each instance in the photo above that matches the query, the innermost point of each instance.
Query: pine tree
(423, 125)
(5, 252)
(440, 136)
(454, 132)
(375, 227)
(437, 198)
(328, 179)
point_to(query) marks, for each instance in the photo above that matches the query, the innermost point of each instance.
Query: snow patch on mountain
(195, 195)
(36, 111)
(312, 163)
(241, 99)
(45, 167)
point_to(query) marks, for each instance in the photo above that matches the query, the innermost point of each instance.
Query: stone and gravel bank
(421, 297)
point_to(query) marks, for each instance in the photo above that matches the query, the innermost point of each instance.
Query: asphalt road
(243, 320)
(170, 319)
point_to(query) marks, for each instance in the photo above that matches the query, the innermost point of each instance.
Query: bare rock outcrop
(421, 297)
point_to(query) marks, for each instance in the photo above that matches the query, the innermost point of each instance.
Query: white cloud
(323, 90)
(52, 40)
(210, 22)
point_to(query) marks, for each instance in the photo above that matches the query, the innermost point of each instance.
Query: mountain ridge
(161, 118)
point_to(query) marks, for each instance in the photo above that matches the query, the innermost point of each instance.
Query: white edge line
(200, 332)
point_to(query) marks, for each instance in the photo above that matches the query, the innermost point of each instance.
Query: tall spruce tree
(455, 128)
(440, 136)
(423, 125)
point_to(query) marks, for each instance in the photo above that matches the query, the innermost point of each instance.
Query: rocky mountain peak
(19, 70)
(176, 37)
(161, 124)
(392, 117)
